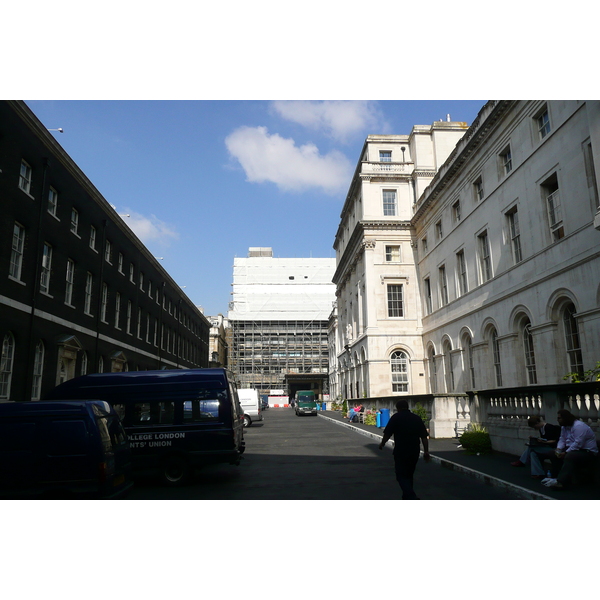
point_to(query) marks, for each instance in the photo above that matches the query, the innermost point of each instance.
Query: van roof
(84, 386)
(33, 407)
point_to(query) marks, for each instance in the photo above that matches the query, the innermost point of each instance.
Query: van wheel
(247, 421)
(175, 471)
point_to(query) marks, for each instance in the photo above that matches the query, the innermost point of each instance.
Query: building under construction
(278, 318)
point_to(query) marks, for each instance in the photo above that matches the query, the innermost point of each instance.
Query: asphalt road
(310, 458)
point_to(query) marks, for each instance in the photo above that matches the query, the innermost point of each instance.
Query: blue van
(176, 420)
(62, 450)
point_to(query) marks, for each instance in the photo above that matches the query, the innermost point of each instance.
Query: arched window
(496, 357)
(6, 365)
(399, 366)
(38, 369)
(572, 339)
(432, 371)
(529, 353)
(469, 362)
(448, 367)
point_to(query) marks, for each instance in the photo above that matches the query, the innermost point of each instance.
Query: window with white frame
(572, 340)
(439, 231)
(74, 221)
(139, 324)
(25, 176)
(395, 301)
(52, 201)
(120, 264)
(496, 357)
(117, 309)
(529, 353)
(515, 234)
(392, 253)
(89, 284)
(93, 237)
(131, 273)
(389, 203)
(38, 369)
(46, 268)
(84, 363)
(16, 255)
(461, 271)
(485, 259)
(456, 211)
(443, 281)
(553, 206)
(590, 171)
(6, 365)
(506, 160)
(142, 281)
(424, 245)
(399, 368)
(432, 371)
(108, 252)
(543, 123)
(470, 362)
(428, 303)
(69, 279)
(478, 188)
(448, 367)
(385, 156)
(128, 329)
(104, 302)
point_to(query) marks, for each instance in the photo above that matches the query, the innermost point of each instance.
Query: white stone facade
(494, 254)
(378, 304)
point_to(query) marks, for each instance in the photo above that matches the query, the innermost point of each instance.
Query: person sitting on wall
(353, 412)
(540, 447)
(577, 448)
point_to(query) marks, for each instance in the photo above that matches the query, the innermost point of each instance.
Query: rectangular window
(439, 232)
(108, 252)
(590, 172)
(128, 317)
(428, 304)
(515, 235)
(150, 289)
(69, 277)
(139, 324)
(543, 124)
(16, 255)
(385, 157)
(485, 263)
(424, 245)
(142, 282)
(104, 302)
(443, 286)
(461, 267)
(148, 328)
(117, 309)
(456, 211)
(392, 253)
(131, 275)
(120, 267)
(25, 177)
(74, 221)
(389, 203)
(478, 187)
(52, 201)
(395, 300)
(92, 237)
(46, 269)
(506, 160)
(553, 206)
(89, 284)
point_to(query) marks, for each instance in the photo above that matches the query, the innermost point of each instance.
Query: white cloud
(340, 119)
(151, 229)
(266, 157)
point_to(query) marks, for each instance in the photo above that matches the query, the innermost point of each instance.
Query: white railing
(386, 167)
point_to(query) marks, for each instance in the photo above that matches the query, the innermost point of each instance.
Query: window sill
(27, 193)
(16, 280)
(69, 305)
(46, 294)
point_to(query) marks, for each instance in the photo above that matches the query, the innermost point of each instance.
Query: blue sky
(204, 180)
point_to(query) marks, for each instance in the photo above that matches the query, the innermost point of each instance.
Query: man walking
(408, 430)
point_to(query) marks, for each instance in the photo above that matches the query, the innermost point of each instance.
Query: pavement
(492, 469)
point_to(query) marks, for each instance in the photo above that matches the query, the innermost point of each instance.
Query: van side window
(153, 413)
(200, 410)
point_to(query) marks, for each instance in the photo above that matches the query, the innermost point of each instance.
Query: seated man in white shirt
(577, 447)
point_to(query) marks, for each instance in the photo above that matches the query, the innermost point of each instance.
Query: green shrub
(345, 408)
(370, 419)
(420, 410)
(476, 440)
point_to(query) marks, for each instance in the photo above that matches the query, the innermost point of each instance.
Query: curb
(522, 492)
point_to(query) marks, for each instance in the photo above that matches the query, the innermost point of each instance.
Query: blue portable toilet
(385, 416)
